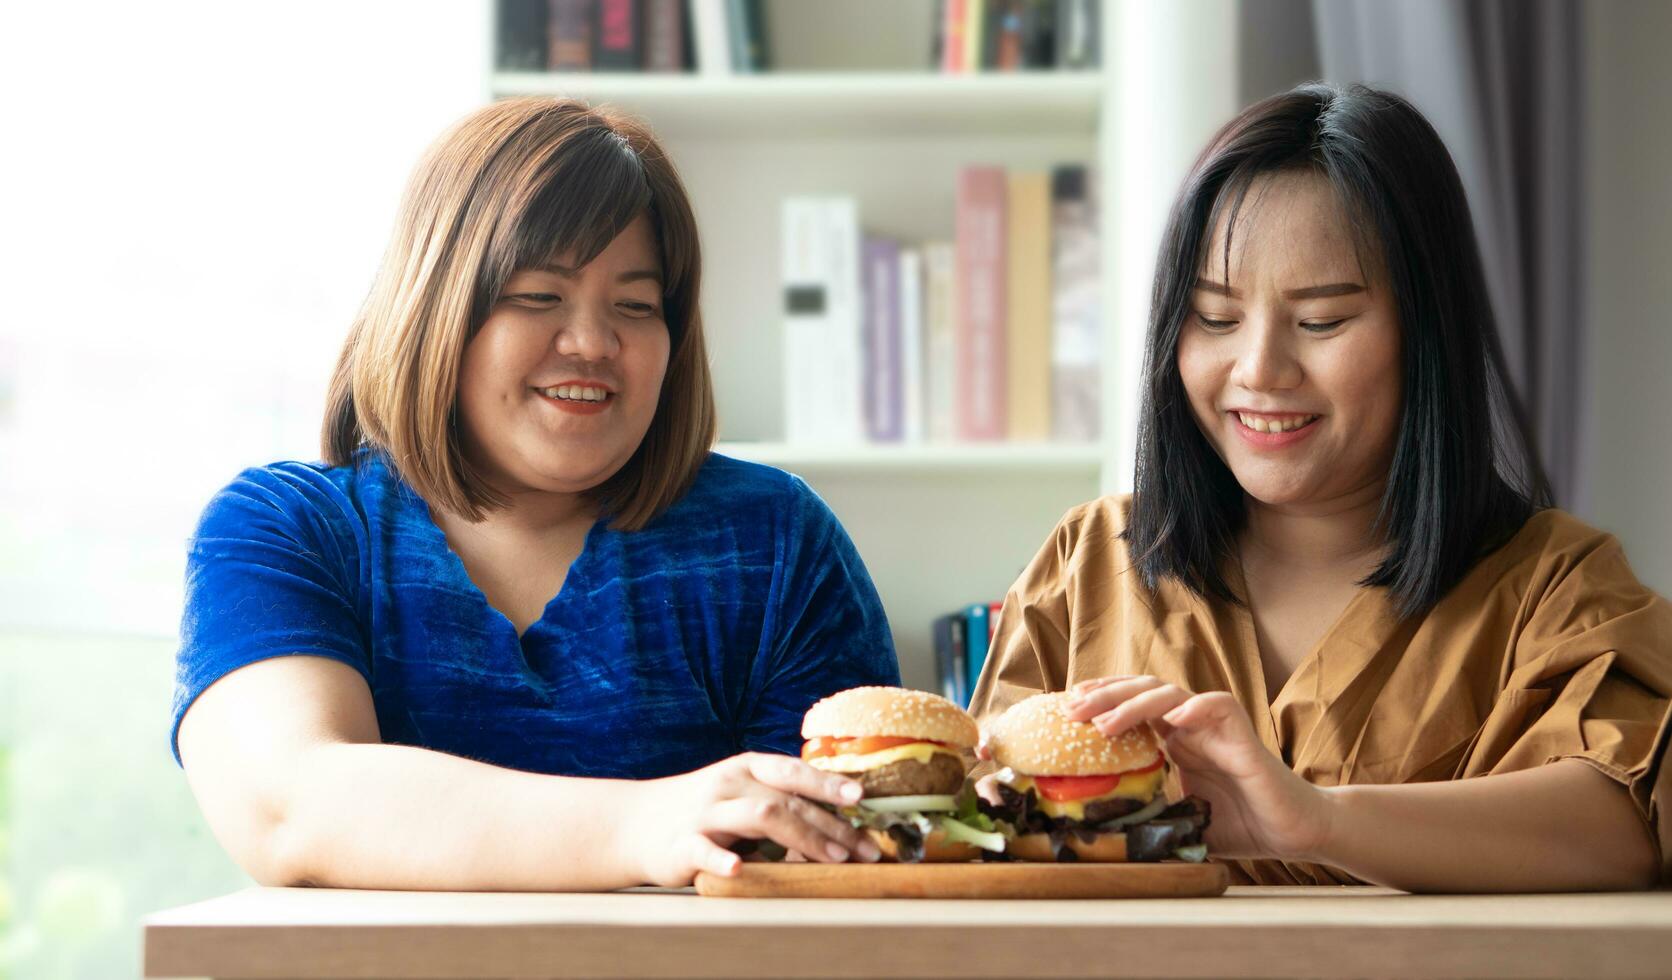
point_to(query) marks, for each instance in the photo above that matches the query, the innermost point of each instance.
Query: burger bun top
(1037, 738)
(890, 712)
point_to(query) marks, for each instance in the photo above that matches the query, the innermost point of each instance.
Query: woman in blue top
(521, 629)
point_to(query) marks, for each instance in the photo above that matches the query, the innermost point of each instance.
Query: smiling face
(1293, 366)
(559, 386)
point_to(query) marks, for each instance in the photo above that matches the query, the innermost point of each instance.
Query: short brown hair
(513, 186)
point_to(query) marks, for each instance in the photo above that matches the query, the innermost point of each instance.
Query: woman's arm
(1559, 827)
(285, 760)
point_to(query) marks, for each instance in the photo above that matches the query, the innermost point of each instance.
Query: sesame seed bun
(890, 712)
(1036, 738)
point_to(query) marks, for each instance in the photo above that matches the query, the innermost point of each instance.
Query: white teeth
(1260, 423)
(575, 393)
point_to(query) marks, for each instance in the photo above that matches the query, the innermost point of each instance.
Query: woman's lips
(1273, 440)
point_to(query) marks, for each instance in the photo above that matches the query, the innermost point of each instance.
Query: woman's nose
(1266, 360)
(589, 336)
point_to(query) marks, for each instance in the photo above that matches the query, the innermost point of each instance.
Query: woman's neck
(1325, 536)
(528, 516)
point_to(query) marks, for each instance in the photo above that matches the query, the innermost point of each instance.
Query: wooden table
(1256, 932)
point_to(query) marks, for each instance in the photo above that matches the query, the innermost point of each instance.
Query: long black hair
(1463, 478)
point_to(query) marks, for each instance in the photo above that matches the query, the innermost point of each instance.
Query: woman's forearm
(399, 817)
(1560, 827)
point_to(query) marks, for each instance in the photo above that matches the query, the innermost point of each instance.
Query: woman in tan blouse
(1338, 590)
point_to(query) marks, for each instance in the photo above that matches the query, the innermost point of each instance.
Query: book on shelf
(569, 35)
(616, 41)
(1078, 43)
(1027, 326)
(520, 35)
(962, 640)
(1014, 35)
(940, 345)
(979, 309)
(910, 311)
(822, 308)
(664, 36)
(715, 37)
(1077, 309)
(882, 379)
(951, 661)
(746, 30)
(995, 336)
(978, 626)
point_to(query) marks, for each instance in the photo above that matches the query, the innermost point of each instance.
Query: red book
(952, 35)
(616, 45)
(980, 304)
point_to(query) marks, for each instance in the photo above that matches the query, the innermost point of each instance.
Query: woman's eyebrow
(633, 275)
(1208, 285)
(1324, 291)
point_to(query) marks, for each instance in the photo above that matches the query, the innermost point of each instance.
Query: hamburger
(906, 749)
(1070, 793)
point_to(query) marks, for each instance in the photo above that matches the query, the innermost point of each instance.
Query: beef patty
(941, 775)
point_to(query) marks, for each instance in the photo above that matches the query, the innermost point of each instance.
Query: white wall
(195, 195)
(1629, 442)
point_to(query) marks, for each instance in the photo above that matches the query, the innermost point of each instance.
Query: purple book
(885, 417)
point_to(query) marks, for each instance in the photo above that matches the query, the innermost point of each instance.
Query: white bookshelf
(842, 105)
(1063, 459)
(852, 109)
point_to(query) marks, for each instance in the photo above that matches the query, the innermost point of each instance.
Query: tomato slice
(829, 745)
(1066, 789)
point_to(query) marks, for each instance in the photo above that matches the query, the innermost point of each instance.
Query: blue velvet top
(708, 633)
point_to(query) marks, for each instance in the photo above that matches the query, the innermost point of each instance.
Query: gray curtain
(1501, 82)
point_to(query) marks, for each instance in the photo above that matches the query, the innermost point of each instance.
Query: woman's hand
(1261, 808)
(684, 824)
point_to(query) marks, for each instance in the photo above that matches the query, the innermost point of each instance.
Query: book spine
(1039, 40)
(708, 29)
(975, 18)
(757, 44)
(980, 303)
(843, 418)
(569, 36)
(664, 35)
(1077, 33)
(952, 36)
(960, 660)
(522, 35)
(947, 678)
(806, 270)
(976, 620)
(615, 44)
(993, 610)
(1028, 306)
(881, 382)
(1077, 308)
(940, 343)
(911, 344)
(1007, 40)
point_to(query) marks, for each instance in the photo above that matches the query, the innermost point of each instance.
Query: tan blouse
(1548, 649)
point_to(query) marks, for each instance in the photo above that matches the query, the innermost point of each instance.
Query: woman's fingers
(1107, 697)
(1149, 706)
(791, 775)
(789, 820)
(705, 855)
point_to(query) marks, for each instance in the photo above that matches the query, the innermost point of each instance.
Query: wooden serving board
(972, 880)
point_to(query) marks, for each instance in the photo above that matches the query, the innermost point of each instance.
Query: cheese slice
(916, 751)
(1132, 786)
